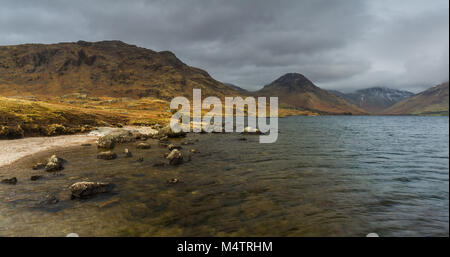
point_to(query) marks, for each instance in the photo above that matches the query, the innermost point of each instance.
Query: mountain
(105, 68)
(375, 99)
(238, 89)
(433, 101)
(296, 90)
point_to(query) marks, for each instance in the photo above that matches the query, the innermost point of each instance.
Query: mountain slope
(433, 101)
(106, 68)
(375, 99)
(238, 89)
(296, 90)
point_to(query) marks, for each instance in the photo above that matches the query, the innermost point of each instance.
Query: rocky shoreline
(106, 139)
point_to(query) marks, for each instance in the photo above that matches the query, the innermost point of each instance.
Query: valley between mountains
(69, 88)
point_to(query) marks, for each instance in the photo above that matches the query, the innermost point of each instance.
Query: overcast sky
(344, 45)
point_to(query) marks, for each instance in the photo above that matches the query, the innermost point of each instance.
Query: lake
(325, 176)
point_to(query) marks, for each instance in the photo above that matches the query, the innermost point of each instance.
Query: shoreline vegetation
(30, 116)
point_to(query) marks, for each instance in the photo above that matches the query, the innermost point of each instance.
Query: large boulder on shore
(168, 132)
(175, 157)
(54, 163)
(86, 189)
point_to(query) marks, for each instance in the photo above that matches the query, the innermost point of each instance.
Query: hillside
(433, 101)
(376, 99)
(106, 68)
(296, 90)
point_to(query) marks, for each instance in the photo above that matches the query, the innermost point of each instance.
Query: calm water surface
(325, 176)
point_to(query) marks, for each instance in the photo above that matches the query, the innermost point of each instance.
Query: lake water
(325, 176)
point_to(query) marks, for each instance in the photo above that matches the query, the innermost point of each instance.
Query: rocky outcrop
(108, 155)
(88, 189)
(54, 163)
(123, 135)
(175, 157)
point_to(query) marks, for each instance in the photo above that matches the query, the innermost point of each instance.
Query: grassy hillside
(434, 101)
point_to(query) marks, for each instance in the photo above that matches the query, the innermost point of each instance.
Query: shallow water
(325, 176)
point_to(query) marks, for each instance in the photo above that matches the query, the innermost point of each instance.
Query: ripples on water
(325, 176)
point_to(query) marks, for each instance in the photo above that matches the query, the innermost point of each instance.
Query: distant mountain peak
(375, 99)
(298, 91)
(293, 77)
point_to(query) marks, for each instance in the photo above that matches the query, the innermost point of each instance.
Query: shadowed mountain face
(238, 89)
(296, 90)
(106, 68)
(375, 99)
(433, 101)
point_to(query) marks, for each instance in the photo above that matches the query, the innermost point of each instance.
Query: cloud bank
(338, 44)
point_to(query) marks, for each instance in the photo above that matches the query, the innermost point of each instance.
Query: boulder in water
(86, 189)
(143, 146)
(173, 181)
(35, 177)
(173, 146)
(10, 181)
(106, 142)
(38, 166)
(250, 130)
(127, 153)
(54, 163)
(108, 155)
(175, 157)
(168, 132)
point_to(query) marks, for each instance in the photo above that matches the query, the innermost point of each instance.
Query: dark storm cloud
(343, 44)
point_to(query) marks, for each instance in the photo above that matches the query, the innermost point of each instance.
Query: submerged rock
(108, 155)
(35, 177)
(38, 166)
(175, 157)
(188, 142)
(49, 199)
(173, 181)
(10, 181)
(86, 189)
(173, 146)
(108, 202)
(159, 164)
(140, 159)
(54, 164)
(143, 146)
(127, 153)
